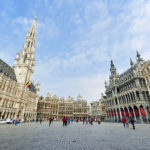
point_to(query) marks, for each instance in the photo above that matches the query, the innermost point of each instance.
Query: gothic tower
(114, 76)
(24, 61)
(113, 70)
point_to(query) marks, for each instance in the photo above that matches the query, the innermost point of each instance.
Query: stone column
(2, 114)
(146, 113)
(5, 115)
(117, 115)
(131, 100)
(2, 102)
(128, 110)
(8, 115)
(134, 113)
(120, 113)
(140, 114)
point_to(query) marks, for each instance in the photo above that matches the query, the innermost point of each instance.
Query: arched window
(28, 44)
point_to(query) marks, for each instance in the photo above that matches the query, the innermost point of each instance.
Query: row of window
(9, 89)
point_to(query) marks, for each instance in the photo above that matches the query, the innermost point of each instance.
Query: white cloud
(90, 87)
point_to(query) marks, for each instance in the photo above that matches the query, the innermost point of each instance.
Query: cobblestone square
(76, 136)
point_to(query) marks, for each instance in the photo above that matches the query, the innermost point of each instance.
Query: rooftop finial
(138, 56)
(112, 64)
(131, 62)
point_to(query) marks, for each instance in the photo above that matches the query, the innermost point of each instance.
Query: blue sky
(76, 39)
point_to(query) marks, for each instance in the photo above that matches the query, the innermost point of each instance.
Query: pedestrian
(63, 120)
(132, 122)
(124, 121)
(149, 119)
(98, 119)
(127, 122)
(83, 119)
(68, 120)
(86, 120)
(50, 119)
(71, 120)
(40, 120)
(91, 121)
(16, 122)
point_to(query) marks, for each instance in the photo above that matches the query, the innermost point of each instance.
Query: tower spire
(24, 67)
(131, 62)
(138, 56)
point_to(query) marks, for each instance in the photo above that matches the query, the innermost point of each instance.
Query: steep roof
(7, 70)
(32, 88)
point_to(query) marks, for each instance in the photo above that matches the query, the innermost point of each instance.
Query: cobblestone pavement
(76, 136)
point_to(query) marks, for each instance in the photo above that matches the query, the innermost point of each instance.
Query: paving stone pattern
(76, 136)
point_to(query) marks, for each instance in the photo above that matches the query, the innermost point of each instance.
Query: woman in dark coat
(132, 122)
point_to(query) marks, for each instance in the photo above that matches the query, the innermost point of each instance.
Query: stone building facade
(98, 109)
(95, 109)
(16, 100)
(59, 107)
(127, 93)
(80, 109)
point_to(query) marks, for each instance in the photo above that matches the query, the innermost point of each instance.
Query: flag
(28, 85)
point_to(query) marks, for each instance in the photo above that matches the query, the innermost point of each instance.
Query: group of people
(126, 120)
(89, 120)
(67, 121)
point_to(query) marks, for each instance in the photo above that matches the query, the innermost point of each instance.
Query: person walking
(50, 120)
(16, 121)
(83, 119)
(40, 120)
(91, 121)
(132, 122)
(63, 120)
(68, 120)
(149, 119)
(71, 120)
(127, 122)
(98, 119)
(36, 120)
(124, 121)
(86, 120)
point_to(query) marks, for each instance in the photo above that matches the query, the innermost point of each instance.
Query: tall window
(28, 44)
(25, 58)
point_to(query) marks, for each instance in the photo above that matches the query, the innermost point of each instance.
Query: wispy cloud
(77, 39)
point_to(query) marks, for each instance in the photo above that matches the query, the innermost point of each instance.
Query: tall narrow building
(24, 62)
(16, 100)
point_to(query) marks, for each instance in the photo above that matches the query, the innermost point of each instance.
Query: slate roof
(32, 88)
(7, 70)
